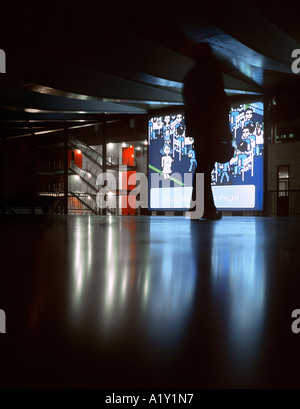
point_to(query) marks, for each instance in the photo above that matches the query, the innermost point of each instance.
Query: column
(66, 169)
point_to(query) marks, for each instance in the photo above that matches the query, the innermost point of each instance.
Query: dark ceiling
(78, 62)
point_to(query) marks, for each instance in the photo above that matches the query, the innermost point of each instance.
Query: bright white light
(110, 193)
(32, 111)
(145, 142)
(131, 146)
(77, 177)
(110, 145)
(78, 151)
(123, 145)
(89, 197)
(132, 155)
(138, 148)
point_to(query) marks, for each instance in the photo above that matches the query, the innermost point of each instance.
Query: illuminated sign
(236, 185)
(171, 163)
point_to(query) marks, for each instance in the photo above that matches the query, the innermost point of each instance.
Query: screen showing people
(172, 162)
(236, 185)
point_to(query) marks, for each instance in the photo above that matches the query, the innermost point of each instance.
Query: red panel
(76, 156)
(128, 159)
(128, 156)
(126, 208)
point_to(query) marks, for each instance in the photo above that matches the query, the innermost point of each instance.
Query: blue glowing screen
(236, 185)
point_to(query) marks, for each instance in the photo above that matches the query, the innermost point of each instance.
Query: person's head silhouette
(201, 51)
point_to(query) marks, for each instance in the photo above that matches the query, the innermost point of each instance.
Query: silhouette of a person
(206, 114)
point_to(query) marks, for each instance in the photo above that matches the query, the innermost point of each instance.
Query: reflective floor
(149, 302)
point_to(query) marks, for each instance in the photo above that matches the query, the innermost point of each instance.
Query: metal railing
(91, 180)
(85, 176)
(116, 160)
(92, 169)
(89, 201)
(283, 203)
(97, 158)
(86, 150)
(90, 205)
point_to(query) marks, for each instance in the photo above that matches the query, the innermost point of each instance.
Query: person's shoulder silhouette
(204, 75)
(203, 92)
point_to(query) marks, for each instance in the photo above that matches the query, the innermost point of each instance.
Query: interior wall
(284, 154)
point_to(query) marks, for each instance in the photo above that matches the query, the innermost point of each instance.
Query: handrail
(92, 154)
(87, 150)
(284, 202)
(87, 200)
(85, 176)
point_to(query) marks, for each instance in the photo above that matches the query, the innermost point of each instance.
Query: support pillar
(2, 176)
(66, 169)
(104, 152)
(267, 104)
(32, 184)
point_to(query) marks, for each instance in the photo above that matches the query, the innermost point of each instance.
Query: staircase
(87, 177)
(91, 153)
(85, 198)
(112, 162)
(87, 201)
(90, 175)
(90, 203)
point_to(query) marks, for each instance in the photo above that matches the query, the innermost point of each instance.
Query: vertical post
(2, 176)
(266, 101)
(104, 152)
(32, 150)
(66, 169)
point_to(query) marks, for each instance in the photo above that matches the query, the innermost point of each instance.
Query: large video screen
(171, 162)
(236, 185)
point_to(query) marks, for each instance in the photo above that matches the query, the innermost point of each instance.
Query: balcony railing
(284, 203)
(85, 176)
(86, 150)
(97, 158)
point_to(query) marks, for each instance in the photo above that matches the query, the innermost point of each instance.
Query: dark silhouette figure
(206, 114)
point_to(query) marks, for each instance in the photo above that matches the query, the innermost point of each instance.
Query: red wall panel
(128, 159)
(76, 157)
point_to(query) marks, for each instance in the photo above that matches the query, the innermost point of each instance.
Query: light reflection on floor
(154, 291)
(172, 283)
(183, 304)
(239, 280)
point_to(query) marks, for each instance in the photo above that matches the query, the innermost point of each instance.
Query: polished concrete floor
(149, 302)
